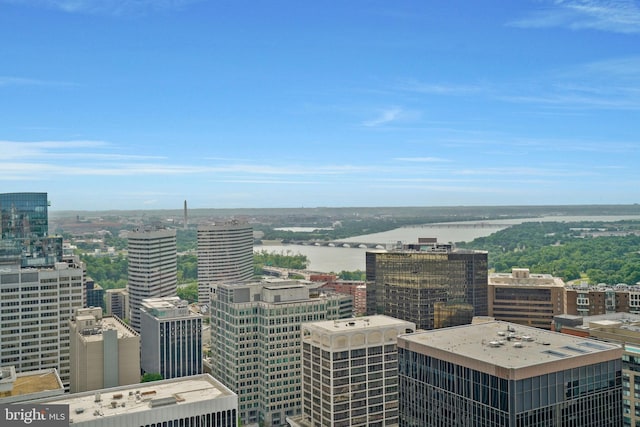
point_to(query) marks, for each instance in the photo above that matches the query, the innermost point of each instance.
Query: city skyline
(124, 104)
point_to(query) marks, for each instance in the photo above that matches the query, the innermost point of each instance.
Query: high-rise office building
(525, 298)
(255, 334)
(152, 268)
(409, 282)
(171, 338)
(350, 372)
(117, 303)
(503, 374)
(225, 253)
(196, 401)
(36, 306)
(105, 352)
(25, 236)
(40, 290)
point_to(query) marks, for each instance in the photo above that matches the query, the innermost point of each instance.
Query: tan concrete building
(525, 298)
(105, 352)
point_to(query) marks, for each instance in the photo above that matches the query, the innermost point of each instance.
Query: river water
(335, 259)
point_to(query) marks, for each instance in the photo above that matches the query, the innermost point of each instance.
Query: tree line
(597, 252)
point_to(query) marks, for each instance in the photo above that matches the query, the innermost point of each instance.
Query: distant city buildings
(585, 300)
(525, 298)
(225, 253)
(105, 352)
(503, 374)
(429, 284)
(355, 288)
(171, 338)
(350, 372)
(255, 337)
(117, 303)
(196, 401)
(152, 263)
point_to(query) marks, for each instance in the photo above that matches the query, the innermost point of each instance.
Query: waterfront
(336, 259)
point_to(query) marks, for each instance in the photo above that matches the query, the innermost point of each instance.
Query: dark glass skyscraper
(430, 284)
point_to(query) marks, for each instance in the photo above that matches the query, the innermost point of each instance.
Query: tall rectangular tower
(350, 372)
(171, 338)
(255, 331)
(422, 283)
(225, 253)
(152, 268)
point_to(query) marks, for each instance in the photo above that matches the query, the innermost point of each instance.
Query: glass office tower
(25, 231)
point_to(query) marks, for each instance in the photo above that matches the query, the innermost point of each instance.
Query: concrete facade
(105, 352)
(152, 269)
(36, 306)
(225, 253)
(255, 337)
(196, 401)
(350, 372)
(526, 299)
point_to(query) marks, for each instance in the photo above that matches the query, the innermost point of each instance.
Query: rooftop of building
(523, 277)
(141, 397)
(94, 332)
(506, 345)
(28, 383)
(358, 323)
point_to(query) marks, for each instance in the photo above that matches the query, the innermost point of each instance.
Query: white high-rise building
(255, 337)
(35, 309)
(171, 337)
(350, 372)
(225, 253)
(152, 268)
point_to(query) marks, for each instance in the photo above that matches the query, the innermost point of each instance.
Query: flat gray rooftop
(506, 345)
(141, 397)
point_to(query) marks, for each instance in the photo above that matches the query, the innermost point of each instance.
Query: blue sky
(142, 104)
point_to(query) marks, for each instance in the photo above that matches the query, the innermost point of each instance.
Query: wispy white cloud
(25, 81)
(620, 16)
(523, 171)
(104, 7)
(440, 88)
(269, 181)
(422, 159)
(612, 84)
(385, 117)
